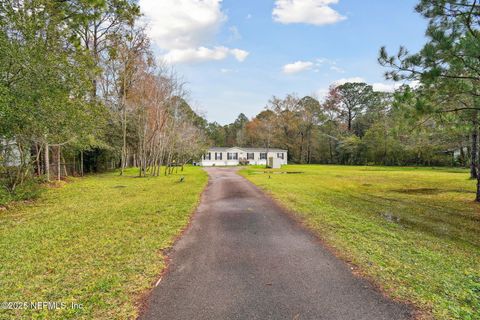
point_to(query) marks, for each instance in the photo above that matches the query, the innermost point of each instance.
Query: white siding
(242, 154)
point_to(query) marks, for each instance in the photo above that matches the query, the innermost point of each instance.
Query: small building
(232, 156)
(9, 153)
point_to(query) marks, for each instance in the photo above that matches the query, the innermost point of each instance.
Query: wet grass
(96, 242)
(414, 231)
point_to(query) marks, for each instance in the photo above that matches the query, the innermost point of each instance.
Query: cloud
(337, 69)
(182, 24)
(317, 12)
(239, 54)
(297, 66)
(186, 29)
(385, 87)
(377, 86)
(339, 82)
(202, 54)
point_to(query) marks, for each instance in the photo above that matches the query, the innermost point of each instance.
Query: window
(232, 155)
(207, 156)
(263, 156)
(280, 155)
(218, 156)
(250, 156)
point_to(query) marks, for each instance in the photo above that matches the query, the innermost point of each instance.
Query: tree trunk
(64, 167)
(462, 156)
(330, 150)
(81, 163)
(124, 146)
(59, 174)
(47, 162)
(301, 147)
(349, 121)
(38, 157)
(74, 173)
(474, 150)
(477, 198)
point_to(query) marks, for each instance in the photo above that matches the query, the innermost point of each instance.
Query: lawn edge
(141, 300)
(418, 312)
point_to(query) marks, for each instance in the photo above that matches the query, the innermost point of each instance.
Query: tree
(46, 80)
(449, 61)
(311, 116)
(95, 24)
(353, 99)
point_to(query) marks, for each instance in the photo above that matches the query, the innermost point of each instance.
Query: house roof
(224, 149)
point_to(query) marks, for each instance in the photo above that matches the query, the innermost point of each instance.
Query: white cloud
(297, 66)
(339, 82)
(321, 93)
(377, 86)
(385, 87)
(317, 12)
(175, 24)
(239, 54)
(186, 29)
(202, 54)
(414, 84)
(337, 69)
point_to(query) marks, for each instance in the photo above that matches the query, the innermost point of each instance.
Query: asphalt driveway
(244, 258)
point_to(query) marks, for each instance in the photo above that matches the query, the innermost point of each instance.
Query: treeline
(352, 125)
(80, 90)
(433, 122)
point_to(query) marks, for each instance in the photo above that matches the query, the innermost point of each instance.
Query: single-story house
(232, 156)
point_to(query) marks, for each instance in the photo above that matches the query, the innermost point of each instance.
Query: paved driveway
(244, 258)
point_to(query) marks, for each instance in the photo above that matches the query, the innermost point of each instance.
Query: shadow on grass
(429, 191)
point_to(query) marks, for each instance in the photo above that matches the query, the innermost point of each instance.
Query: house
(232, 156)
(9, 153)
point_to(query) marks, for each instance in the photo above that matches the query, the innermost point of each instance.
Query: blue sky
(236, 54)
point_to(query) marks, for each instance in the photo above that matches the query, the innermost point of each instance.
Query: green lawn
(415, 232)
(96, 241)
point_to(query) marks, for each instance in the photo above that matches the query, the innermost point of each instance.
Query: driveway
(243, 257)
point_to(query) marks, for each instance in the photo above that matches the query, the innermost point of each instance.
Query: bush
(29, 190)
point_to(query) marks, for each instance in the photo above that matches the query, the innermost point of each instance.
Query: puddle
(119, 187)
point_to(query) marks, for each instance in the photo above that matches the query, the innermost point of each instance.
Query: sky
(236, 54)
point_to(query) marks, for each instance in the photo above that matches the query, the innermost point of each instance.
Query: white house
(232, 156)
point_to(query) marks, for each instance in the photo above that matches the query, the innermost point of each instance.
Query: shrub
(29, 190)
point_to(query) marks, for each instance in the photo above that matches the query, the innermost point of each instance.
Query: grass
(414, 232)
(96, 242)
